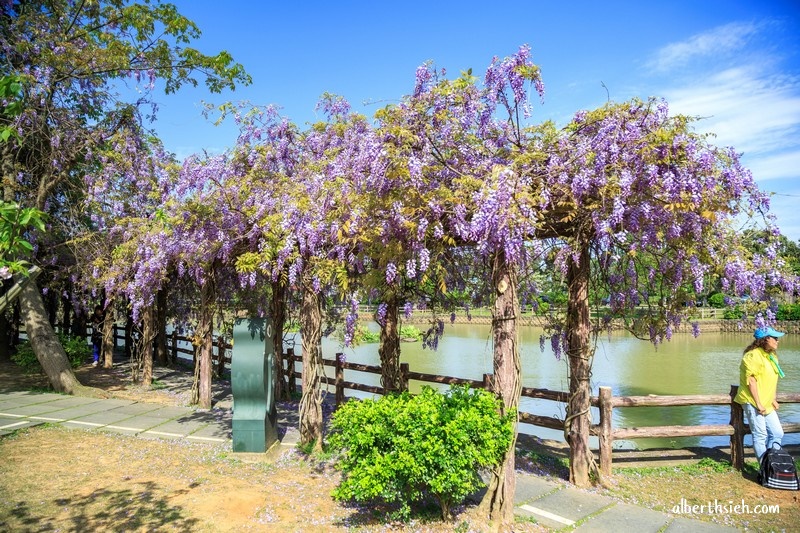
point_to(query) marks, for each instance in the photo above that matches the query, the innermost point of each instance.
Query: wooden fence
(736, 429)
(220, 353)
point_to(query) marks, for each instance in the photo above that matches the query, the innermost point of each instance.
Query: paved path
(552, 504)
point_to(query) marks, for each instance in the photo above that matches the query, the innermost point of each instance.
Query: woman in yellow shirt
(758, 387)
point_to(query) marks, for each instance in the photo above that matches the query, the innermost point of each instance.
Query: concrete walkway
(549, 503)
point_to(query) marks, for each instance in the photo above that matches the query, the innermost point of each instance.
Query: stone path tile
(530, 487)
(625, 517)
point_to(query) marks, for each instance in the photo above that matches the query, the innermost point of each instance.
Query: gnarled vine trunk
(162, 355)
(389, 349)
(579, 353)
(498, 502)
(107, 352)
(311, 400)
(201, 389)
(278, 312)
(146, 347)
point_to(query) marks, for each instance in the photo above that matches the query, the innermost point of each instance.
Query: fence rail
(221, 351)
(736, 429)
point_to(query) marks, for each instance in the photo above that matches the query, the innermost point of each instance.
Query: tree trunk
(579, 352)
(5, 323)
(201, 390)
(107, 352)
(311, 400)
(15, 322)
(498, 503)
(146, 346)
(45, 344)
(129, 335)
(278, 312)
(66, 313)
(389, 349)
(51, 304)
(5, 337)
(161, 327)
(79, 323)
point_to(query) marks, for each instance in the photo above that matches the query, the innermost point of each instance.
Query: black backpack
(778, 470)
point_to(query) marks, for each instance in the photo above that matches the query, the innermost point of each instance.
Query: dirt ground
(52, 479)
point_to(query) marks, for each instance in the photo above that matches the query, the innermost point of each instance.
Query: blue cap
(760, 333)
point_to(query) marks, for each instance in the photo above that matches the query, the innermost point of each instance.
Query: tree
(626, 188)
(654, 204)
(460, 141)
(70, 57)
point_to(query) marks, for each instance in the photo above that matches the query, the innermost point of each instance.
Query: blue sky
(734, 62)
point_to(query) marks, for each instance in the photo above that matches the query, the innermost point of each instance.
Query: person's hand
(775, 405)
(761, 409)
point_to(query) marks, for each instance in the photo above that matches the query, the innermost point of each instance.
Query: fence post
(221, 355)
(290, 370)
(605, 437)
(487, 382)
(404, 376)
(129, 337)
(339, 396)
(174, 346)
(737, 439)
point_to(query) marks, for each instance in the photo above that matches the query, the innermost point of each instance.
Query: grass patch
(547, 464)
(703, 466)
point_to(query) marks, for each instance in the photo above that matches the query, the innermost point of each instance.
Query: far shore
(705, 325)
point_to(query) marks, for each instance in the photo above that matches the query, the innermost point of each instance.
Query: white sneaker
(94, 363)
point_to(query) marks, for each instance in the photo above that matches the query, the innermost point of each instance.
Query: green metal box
(254, 414)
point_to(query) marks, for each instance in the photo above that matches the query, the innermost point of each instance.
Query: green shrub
(77, 349)
(788, 312)
(717, 300)
(410, 332)
(541, 307)
(733, 313)
(366, 336)
(404, 448)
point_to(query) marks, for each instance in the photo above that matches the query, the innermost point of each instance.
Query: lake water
(708, 364)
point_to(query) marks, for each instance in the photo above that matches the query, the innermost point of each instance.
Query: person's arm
(752, 384)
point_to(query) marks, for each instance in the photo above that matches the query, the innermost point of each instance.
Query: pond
(708, 364)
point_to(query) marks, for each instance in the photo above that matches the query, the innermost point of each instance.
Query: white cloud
(753, 111)
(747, 98)
(720, 41)
(785, 165)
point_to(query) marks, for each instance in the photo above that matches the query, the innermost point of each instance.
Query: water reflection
(708, 364)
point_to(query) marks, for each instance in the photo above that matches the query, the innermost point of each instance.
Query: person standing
(97, 334)
(759, 372)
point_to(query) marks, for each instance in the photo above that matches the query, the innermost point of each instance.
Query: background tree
(69, 57)
(654, 204)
